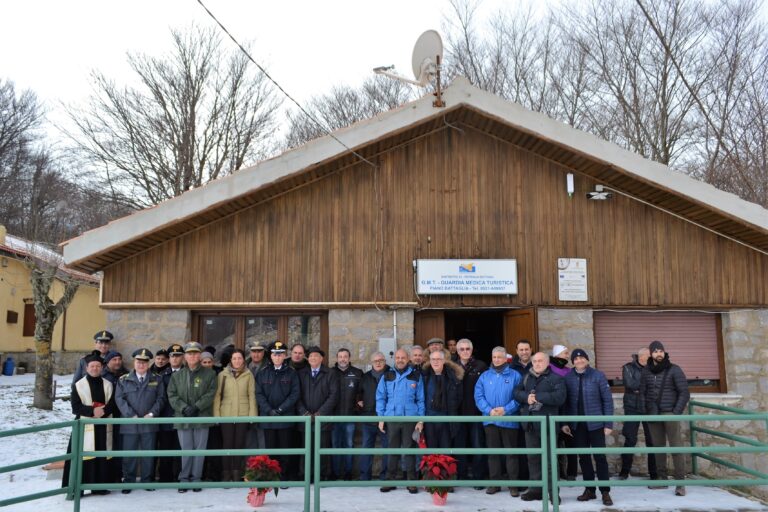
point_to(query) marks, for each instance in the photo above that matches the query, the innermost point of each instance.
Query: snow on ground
(16, 411)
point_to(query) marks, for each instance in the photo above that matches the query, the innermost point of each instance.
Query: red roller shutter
(691, 339)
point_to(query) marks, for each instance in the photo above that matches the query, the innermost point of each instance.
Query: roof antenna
(427, 59)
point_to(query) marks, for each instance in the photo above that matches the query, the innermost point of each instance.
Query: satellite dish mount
(426, 60)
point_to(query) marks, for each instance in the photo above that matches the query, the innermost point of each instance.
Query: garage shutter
(691, 340)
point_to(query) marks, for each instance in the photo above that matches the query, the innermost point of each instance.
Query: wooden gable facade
(350, 234)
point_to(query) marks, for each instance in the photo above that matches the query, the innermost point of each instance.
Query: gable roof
(605, 162)
(21, 248)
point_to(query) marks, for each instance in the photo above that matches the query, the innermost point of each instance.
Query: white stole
(89, 434)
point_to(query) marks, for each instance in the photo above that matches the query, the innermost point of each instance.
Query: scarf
(656, 368)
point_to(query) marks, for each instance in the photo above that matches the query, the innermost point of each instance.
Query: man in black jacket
(319, 396)
(541, 392)
(349, 379)
(470, 435)
(367, 404)
(631, 374)
(277, 391)
(664, 390)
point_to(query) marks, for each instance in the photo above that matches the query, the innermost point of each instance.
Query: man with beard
(417, 357)
(160, 364)
(664, 390)
(521, 363)
(452, 347)
(367, 404)
(93, 397)
(400, 393)
(470, 435)
(541, 392)
(631, 374)
(113, 367)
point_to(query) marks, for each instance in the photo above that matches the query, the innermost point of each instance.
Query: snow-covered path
(16, 411)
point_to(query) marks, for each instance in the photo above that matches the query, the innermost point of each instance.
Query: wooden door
(520, 324)
(428, 324)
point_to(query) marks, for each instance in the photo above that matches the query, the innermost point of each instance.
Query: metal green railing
(695, 430)
(696, 451)
(548, 451)
(78, 462)
(318, 452)
(38, 462)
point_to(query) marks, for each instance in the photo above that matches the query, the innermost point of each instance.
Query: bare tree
(200, 113)
(345, 105)
(42, 276)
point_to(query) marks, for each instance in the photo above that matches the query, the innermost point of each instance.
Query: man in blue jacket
(589, 395)
(400, 393)
(495, 396)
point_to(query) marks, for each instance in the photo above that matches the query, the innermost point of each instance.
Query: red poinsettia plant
(437, 467)
(260, 468)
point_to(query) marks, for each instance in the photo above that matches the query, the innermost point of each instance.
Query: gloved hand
(274, 412)
(190, 411)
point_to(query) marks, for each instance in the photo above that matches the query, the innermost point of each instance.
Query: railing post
(315, 460)
(694, 459)
(76, 465)
(550, 448)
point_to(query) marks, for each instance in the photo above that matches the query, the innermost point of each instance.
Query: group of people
(278, 380)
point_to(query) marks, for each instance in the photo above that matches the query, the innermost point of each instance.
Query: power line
(264, 71)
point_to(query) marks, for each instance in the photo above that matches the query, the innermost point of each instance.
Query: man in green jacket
(190, 393)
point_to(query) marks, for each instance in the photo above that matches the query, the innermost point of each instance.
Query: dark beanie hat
(579, 352)
(656, 345)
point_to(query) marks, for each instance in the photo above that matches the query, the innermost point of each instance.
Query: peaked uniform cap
(175, 350)
(142, 354)
(104, 336)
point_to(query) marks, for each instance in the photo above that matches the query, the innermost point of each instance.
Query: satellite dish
(427, 55)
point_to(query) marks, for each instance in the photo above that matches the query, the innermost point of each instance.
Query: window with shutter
(693, 341)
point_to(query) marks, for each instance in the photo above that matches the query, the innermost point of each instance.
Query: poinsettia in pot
(438, 467)
(260, 468)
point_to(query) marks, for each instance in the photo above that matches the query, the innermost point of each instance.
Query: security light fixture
(600, 194)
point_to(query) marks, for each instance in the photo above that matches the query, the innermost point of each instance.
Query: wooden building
(322, 243)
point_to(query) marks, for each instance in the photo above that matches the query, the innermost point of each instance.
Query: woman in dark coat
(94, 397)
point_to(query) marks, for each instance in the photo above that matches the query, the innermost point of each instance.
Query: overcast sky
(307, 46)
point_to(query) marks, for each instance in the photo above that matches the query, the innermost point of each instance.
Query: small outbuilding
(478, 219)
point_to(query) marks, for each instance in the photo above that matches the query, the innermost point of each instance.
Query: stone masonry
(359, 330)
(570, 327)
(150, 328)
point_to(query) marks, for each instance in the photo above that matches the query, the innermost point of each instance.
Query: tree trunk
(43, 375)
(46, 314)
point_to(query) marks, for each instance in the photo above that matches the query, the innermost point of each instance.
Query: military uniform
(140, 396)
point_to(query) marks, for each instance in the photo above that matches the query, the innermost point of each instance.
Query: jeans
(471, 435)
(343, 437)
(139, 442)
(370, 434)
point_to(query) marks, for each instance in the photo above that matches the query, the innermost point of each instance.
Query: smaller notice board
(572, 279)
(466, 277)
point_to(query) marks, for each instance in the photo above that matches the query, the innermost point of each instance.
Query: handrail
(37, 462)
(318, 452)
(548, 451)
(695, 451)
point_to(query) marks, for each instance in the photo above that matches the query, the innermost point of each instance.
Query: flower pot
(256, 497)
(439, 500)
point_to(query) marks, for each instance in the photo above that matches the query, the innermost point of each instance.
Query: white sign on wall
(572, 279)
(466, 277)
